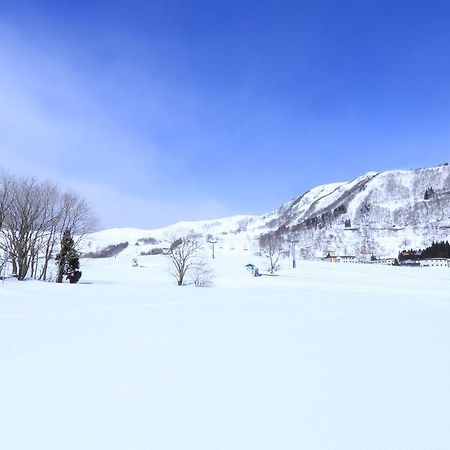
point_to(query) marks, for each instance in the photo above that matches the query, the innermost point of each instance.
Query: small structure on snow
(253, 270)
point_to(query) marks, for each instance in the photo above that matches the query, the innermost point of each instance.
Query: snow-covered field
(327, 356)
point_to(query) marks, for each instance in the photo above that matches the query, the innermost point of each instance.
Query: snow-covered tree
(68, 260)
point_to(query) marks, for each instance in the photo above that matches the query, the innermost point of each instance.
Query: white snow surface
(326, 356)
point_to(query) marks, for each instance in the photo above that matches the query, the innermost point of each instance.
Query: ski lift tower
(213, 241)
(293, 240)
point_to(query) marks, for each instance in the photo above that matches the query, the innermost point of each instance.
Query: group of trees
(38, 219)
(41, 223)
(429, 194)
(435, 250)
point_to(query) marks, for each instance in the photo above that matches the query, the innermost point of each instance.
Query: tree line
(435, 250)
(35, 216)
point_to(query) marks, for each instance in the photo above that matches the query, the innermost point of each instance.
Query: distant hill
(378, 213)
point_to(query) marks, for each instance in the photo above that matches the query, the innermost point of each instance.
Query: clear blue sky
(169, 110)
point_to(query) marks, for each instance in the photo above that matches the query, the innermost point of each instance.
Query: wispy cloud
(123, 210)
(55, 123)
(49, 117)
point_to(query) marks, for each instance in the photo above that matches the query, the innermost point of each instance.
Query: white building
(385, 261)
(348, 259)
(435, 262)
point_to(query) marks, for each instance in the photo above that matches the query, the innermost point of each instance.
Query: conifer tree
(68, 260)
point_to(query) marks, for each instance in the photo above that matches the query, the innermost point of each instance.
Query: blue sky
(162, 111)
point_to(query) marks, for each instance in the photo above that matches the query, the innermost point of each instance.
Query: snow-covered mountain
(377, 213)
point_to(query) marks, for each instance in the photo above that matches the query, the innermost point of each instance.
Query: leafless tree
(77, 216)
(3, 263)
(21, 224)
(201, 274)
(5, 195)
(272, 244)
(182, 253)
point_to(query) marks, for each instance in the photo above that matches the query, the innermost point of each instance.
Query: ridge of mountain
(376, 213)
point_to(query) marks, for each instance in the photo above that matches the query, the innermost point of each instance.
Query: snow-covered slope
(377, 213)
(329, 356)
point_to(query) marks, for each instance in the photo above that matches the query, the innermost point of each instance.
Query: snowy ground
(329, 356)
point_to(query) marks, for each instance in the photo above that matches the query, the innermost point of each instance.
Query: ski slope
(327, 356)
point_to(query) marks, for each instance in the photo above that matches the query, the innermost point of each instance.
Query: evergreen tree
(68, 260)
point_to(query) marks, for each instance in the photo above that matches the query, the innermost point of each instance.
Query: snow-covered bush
(201, 274)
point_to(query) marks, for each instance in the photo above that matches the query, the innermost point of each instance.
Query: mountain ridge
(378, 213)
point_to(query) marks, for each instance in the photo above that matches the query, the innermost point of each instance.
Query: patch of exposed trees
(34, 215)
(429, 194)
(108, 252)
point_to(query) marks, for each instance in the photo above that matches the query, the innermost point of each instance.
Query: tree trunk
(59, 277)
(14, 266)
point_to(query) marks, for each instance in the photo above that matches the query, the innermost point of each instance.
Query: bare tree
(201, 274)
(77, 216)
(272, 244)
(5, 195)
(21, 224)
(3, 264)
(182, 253)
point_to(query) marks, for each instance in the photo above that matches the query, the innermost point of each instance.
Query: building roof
(435, 259)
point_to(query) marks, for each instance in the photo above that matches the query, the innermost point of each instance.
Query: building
(348, 259)
(344, 259)
(331, 258)
(410, 262)
(435, 262)
(385, 261)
